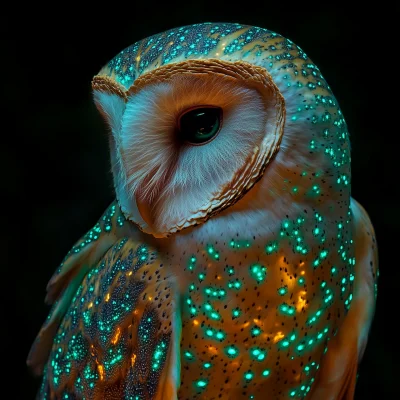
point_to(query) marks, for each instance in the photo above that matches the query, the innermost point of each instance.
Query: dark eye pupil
(200, 124)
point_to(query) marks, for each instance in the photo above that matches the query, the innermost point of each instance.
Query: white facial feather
(187, 174)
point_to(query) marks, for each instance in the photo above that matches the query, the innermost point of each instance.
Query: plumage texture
(235, 269)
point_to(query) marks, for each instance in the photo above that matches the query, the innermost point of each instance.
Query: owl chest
(246, 310)
(228, 312)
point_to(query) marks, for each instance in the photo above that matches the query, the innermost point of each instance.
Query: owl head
(219, 118)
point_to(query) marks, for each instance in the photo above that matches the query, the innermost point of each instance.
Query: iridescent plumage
(237, 269)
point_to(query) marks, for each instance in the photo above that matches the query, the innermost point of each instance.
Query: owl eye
(200, 125)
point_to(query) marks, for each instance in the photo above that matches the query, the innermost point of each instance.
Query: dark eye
(200, 125)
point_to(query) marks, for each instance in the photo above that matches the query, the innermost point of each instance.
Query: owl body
(232, 268)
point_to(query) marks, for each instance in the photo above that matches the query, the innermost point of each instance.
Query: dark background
(56, 177)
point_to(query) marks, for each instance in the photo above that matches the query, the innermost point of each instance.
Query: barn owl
(234, 263)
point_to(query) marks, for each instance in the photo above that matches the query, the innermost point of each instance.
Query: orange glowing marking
(129, 273)
(256, 321)
(278, 337)
(133, 360)
(116, 336)
(136, 312)
(90, 305)
(301, 264)
(150, 298)
(195, 322)
(219, 277)
(107, 296)
(138, 58)
(101, 371)
(301, 302)
(289, 282)
(213, 350)
(246, 324)
(302, 272)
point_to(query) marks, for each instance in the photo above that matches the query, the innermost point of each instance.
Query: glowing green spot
(257, 354)
(323, 253)
(214, 291)
(209, 332)
(236, 284)
(236, 312)
(255, 330)
(188, 355)
(201, 383)
(215, 315)
(271, 247)
(282, 291)
(232, 351)
(220, 335)
(207, 365)
(248, 375)
(258, 272)
(286, 309)
(266, 372)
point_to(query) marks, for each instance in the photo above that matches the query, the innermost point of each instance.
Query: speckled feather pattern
(260, 288)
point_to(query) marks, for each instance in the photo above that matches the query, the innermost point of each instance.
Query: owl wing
(120, 335)
(338, 372)
(66, 280)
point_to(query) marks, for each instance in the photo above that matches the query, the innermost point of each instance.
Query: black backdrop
(56, 178)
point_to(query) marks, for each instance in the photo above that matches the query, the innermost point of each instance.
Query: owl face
(193, 138)
(196, 123)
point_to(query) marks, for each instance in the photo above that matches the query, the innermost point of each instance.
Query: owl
(234, 263)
